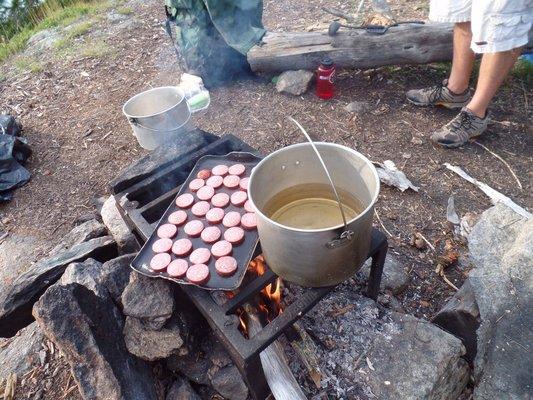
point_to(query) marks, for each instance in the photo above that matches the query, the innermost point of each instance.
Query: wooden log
(404, 44)
(460, 317)
(305, 348)
(277, 372)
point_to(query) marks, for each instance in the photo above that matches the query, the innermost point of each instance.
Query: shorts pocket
(509, 26)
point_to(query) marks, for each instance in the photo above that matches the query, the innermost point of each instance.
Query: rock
(151, 345)
(42, 41)
(17, 299)
(20, 353)
(115, 275)
(182, 390)
(114, 16)
(501, 249)
(229, 383)
(394, 277)
(373, 353)
(87, 274)
(81, 233)
(358, 107)
(87, 329)
(148, 299)
(163, 157)
(294, 82)
(17, 253)
(113, 220)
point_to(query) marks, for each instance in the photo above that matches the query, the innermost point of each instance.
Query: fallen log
(460, 317)
(404, 44)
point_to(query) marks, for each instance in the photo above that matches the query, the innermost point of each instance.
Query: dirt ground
(71, 112)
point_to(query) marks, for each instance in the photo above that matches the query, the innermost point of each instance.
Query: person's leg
(463, 58)
(493, 70)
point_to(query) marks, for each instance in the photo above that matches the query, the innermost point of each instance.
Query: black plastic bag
(14, 151)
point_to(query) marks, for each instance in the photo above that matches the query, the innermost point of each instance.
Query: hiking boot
(439, 95)
(466, 125)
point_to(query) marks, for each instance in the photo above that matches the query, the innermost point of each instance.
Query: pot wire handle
(348, 234)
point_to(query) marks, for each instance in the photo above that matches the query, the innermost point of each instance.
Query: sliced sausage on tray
(178, 268)
(200, 256)
(236, 169)
(162, 245)
(182, 247)
(226, 266)
(203, 174)
(177, 217)
(211, 234)
(238, 198)
(221, 249)
(201, 208)
(249, 207)
(194, 228)
(215, 181)
(220, 170)
(185, 200)
(215, 216)
(220, 200)
(233, 218)
(198, 274)
(234, 235)
(196, 184)
(243, 184)
(205, 193)
(248, 221)
(160, 261)
(167, 231)
(231, 181)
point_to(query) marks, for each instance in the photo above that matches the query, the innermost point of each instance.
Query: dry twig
(381, 223)
(503, 161)
(425, 240)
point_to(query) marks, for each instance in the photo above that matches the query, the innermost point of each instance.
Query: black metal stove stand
(153, 200)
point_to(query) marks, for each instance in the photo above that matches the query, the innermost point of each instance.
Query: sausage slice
(203, 174)
(215, 215)
(220, 200)
(167, 231)
(177, 217)
(243, 184)
(200, 256)
(234, 235)
(194, 228)
(233, 218)
(220, 170)
(160, 261)
(236, 169)
(182, 247)
(196, 184)
(162, 245)
(178, 268)
(211, 234)
(238, 198)
(215, 181)
(201, 208)
(221, 249)
(185, 200)
(226, 266)
(198, 274)
(205, 193)
(231, 181)
(248, 221)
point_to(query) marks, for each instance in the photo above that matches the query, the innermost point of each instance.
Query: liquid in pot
(311, 206)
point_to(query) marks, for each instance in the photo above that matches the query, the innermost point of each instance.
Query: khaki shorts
(497, 25)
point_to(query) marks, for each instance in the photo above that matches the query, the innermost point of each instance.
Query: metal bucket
(315, 257)
(157, 115)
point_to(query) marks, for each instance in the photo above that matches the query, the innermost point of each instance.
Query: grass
(98, 49)
(28, 64)
(125, 10)
(54, 18)
(523, 70)
(79, 29)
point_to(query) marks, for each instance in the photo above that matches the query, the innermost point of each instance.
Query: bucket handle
(347, 235)
(134, 121)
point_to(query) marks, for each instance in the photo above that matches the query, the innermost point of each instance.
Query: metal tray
(242, 252)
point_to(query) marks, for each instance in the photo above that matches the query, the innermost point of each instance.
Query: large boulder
(85, 231)
(115, 275)
(501, 249)
(394, 278)
(181, 389)
(149, 300)
(18, 298)
(294, 82)
(151, 344)
(87, 329)
(369, 352)
(20, 353)
(86, 273)
(126, 241)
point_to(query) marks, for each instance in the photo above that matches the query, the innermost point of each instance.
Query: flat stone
(17, 299)
(394, 277)
(371, 353)
(42, 41)
(86, 231)
(21, 352)
(294, 82)
(152, 345)
(358, 107)
(501, 249)
(87, 329)
(17, 253)
(85, 273)
(181, 389)
(229, 383)
(149, 299)
(115, 275)
(162, 157)
(111, 217)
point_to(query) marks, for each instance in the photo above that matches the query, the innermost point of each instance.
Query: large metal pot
(319, 257)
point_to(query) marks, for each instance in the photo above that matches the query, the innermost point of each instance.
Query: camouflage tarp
(215, 35)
